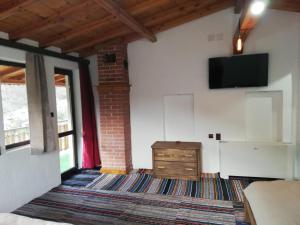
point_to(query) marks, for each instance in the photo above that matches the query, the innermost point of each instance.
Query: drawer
(175, 168)
(175, 155)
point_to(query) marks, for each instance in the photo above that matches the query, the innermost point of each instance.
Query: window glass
(66, 153)
(14, 105)
(63, 103)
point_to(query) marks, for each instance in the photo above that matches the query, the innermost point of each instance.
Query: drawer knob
(188, 155)
(189, 169)
(160, 154)
(160, 167)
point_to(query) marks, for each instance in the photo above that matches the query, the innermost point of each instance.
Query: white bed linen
(12, 219)
(275, 202)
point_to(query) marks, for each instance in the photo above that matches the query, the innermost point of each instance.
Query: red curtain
(91, 157)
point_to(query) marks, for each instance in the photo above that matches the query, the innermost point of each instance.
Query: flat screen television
(239, 71)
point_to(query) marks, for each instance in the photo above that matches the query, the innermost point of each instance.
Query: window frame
(21, 65)
(69, 73)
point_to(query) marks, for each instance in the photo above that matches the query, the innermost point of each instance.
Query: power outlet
(210, 136)
(218, 136)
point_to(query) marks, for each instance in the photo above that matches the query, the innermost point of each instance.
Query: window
(14, 104)
(65, 119)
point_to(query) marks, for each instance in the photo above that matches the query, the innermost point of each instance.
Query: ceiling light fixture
(239, 44)
(257, 7)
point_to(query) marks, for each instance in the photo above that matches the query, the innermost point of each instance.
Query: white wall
(24, 176)
(178, 64)
(270, 160)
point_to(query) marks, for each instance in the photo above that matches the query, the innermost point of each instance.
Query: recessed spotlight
(257, 7)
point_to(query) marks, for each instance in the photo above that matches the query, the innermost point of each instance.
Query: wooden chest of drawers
(177, 159)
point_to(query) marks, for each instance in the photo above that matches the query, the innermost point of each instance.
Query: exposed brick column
(115, 133)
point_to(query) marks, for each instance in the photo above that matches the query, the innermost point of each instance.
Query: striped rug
(80, 206)
(207, 187)
(82, 178)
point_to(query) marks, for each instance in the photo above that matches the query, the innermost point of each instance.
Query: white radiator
(250, 159)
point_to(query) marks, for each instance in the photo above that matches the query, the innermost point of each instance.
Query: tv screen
(238, 71)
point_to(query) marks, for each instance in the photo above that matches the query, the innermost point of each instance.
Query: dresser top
(177, 145)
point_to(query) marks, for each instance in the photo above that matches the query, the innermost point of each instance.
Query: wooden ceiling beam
(175, 16)
(246, 24)
(55, 19)
(17, 73)
(7, 10)
(8, 69)
(72, 33)
(113, 8)
(119, 31)
(12, 81)
(164, 22)
(149, 21)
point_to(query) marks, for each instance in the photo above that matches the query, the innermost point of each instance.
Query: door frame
(69, 73)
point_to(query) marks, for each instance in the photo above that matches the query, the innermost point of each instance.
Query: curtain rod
(29, 48)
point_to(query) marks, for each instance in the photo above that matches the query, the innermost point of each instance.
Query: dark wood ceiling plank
(55, 19)
(125, 18)
(185, 9)
(196, 13)
(287, 5)
(119, 31)
(69, 34)
(13, 7)
(65, 36)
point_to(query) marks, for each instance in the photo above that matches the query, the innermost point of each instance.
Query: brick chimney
(115, 133)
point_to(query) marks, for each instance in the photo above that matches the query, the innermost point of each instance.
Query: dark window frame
(20, 65)
(69, 73)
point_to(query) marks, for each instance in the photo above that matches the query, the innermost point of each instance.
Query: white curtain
(43, 129)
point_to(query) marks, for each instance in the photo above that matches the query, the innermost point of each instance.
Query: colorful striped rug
(207, 187)
(82, 178)
(87, 207)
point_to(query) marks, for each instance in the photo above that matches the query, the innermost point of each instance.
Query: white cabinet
(250, 159)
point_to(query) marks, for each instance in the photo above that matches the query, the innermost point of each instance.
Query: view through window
(15, 111)
(14, 105)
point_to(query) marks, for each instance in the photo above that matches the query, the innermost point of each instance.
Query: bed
(273, 203)
(12, 219)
